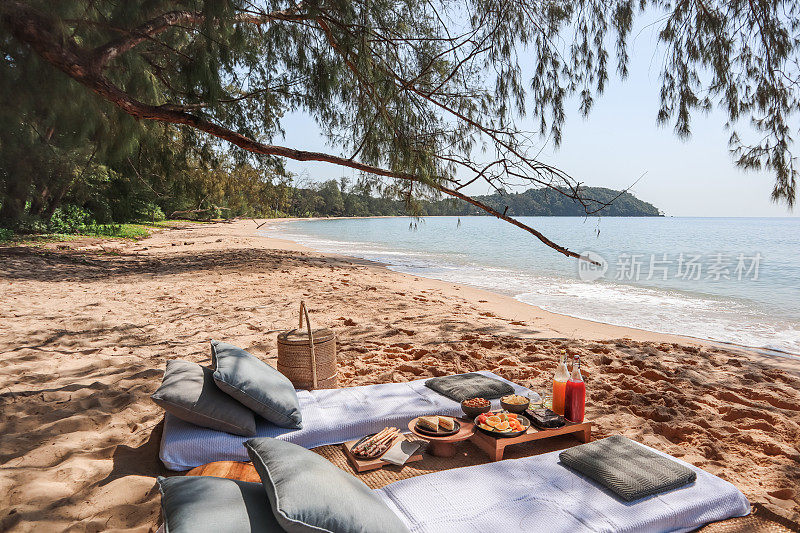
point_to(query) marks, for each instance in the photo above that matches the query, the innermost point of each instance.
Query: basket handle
(304, 313)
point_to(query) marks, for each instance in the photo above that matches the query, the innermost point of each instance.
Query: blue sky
(618, 142)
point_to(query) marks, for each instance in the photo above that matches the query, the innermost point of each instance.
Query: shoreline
(91, 324)
(508, 301)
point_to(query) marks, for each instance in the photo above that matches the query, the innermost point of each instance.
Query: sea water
(733, 280)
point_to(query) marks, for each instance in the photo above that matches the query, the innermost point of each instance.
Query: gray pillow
(255, 384)
(309, 494)
(188, 392)
(201, 504)
(460, 387)
(629, 469)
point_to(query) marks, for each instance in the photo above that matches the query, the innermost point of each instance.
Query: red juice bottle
(575, 396)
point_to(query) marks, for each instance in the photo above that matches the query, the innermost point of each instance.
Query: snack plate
(431, 433)
(505, 435)
(362, 439)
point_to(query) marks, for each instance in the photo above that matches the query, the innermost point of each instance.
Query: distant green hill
(547, 202)
(328, 199)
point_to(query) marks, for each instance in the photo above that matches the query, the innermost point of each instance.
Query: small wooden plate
(430, 432)
(369, 457)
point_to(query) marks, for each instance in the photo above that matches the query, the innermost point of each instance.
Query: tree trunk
(55, 201)
(16, 195)
(39, 201)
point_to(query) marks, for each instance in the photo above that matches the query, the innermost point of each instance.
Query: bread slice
(447, 423)
(429, 422)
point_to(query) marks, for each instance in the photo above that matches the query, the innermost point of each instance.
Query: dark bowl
(518, 408)
(472, 412)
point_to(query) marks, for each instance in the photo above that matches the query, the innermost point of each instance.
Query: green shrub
(70, 219)
(6, 234)
(30, 224)
(150, 212)
(157, 215)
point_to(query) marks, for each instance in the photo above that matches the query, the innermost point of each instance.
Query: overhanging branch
(39, 32)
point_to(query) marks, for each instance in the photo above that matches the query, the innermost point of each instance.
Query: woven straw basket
(308, 357)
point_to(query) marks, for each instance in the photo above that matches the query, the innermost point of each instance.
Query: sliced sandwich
(447, 423)
(431, 423)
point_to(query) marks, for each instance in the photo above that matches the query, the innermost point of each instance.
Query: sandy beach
(87, 325)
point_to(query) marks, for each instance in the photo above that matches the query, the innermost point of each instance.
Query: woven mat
(467, 454)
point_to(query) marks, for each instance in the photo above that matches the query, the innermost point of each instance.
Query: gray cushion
(309, 494)
(188, 392)
(628, 469)
(201, 504)
(461, 387)
(255, 384)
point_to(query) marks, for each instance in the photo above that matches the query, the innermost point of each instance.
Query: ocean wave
(719, 317)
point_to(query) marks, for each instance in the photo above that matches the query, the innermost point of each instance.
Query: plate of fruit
(502, 424)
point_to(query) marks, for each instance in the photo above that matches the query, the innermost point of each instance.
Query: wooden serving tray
(494, 447)
(364, 465)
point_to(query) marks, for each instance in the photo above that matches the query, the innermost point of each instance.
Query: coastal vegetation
(421, 97)
(338, 198)
(221, 196)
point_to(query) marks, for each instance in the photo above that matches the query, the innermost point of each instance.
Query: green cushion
(628, 469)
(256, 385)
(201, 504)
(188, 392)
(472, 385)
(309, 494)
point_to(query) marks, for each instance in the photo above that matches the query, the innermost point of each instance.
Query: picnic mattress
(529, 494)
(330, 416)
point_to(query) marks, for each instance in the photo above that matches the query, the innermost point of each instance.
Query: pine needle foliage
(426, 94)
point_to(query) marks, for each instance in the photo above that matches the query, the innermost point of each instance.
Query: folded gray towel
(628, 469)
(460, 387)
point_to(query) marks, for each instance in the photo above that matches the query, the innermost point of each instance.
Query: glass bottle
(575, 396)
(560, 379)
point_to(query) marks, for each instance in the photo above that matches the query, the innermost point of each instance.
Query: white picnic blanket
(330, 416)
(538, 493)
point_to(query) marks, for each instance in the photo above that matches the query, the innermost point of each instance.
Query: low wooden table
(495, 446)
(445, 446)
(227, 469)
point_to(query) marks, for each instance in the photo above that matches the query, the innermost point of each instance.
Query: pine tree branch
(40, 33)
(146, 31)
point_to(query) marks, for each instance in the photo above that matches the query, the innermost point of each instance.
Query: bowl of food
(514, 403)
(475, 406)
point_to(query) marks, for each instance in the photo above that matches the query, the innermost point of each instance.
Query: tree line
(341, 198)
(159, 181)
